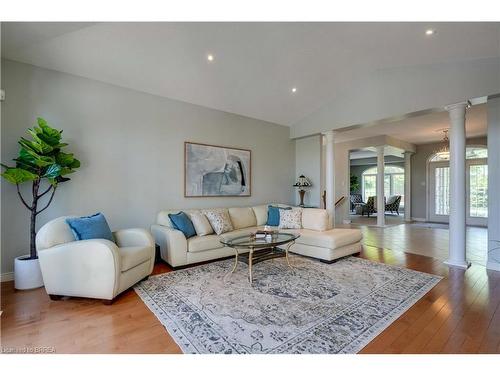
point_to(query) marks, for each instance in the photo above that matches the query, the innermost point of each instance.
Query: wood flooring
(460, 315)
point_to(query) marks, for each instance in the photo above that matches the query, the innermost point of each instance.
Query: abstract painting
(215, 171)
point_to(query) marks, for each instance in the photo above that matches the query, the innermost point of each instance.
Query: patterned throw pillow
(219, 220)
(290, 219)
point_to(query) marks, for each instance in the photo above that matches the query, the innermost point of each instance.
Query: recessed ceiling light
(210, 57)
(294, 89)
(430, 32)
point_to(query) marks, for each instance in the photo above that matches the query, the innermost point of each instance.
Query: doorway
(476, 187)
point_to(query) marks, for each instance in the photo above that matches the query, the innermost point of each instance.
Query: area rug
(312, 308)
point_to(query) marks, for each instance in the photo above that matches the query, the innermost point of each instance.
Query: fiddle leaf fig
(40, 159)
(18, 175)
(52, 171)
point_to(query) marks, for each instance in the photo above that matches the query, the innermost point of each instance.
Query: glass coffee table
(260, 249)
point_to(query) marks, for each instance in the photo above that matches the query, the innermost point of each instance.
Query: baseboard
(421, 219)
(7, 276)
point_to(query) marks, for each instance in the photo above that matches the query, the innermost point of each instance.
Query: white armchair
(92, 268)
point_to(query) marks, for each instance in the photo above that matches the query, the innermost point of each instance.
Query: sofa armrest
(133, 237)
(173, 244)
(88, 268)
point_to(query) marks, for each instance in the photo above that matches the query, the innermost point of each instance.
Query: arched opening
(394, 182)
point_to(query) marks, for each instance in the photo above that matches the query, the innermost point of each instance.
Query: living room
(212, 187)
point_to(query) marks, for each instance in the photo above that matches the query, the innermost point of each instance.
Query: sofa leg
(55, 297)
(328, 261)
(145, 278)
(108, 301)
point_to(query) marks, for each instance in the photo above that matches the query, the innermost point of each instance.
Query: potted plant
(41, 162)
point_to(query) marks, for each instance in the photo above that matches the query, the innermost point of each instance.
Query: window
(471, 153)
(442, 191)
(478, 190)
(394, 182)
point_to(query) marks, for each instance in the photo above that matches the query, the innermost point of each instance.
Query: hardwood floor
(460, 315)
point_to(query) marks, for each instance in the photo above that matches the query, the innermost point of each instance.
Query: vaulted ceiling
(255, 65)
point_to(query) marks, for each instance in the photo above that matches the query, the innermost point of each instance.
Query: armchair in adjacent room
(393, 204)
(369, 207)
(356, 199)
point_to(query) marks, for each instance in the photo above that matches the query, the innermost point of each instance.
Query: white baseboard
(421, 219)
(7, 276)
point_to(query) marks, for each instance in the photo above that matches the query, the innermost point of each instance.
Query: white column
(408, 155)
(493, 261)
(456, 256)
(380, 187)
(330, 175)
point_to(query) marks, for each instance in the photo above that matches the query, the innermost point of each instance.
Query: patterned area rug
(314, 308)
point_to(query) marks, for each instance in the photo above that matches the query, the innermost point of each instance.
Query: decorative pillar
(456, 256)
(330, 175)
(408, 155)
(493, 261)
(380, 187)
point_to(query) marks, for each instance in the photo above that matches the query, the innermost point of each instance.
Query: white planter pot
(27, 273)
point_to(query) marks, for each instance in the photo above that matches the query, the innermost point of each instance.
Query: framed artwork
(216, 171)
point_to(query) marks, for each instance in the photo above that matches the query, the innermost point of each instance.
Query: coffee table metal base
(255, 256)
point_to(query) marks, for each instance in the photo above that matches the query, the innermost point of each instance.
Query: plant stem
(33, 209)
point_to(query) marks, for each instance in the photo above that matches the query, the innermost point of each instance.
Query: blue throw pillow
(182, 222)
(90, 227)
(273, 215)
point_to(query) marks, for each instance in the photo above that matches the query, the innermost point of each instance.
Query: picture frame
(216, 171)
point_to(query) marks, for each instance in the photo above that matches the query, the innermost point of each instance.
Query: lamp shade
(302, 181)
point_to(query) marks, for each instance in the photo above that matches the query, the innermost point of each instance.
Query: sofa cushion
(315, 219)
(238, 232)
(290, 219)
(331, 239)
(242, 217)
(163, 219)
(203, 243)
(219, 220)
(182, 222)
(90, 227)
(260, 214)
(133, 256)
(201, 223)
(273, 214)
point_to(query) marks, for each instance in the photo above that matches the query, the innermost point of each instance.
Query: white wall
(398, 91)
(493, 184)
(131, 148)
(308, 163)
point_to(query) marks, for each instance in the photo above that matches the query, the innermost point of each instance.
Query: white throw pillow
(290, 219)
(201, 224)
(219, 220)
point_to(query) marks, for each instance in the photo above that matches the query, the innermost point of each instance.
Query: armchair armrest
(133, 237)
(88, 268)
(173, 244)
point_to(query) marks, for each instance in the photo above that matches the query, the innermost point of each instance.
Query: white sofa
(316, 239)
(95, 268)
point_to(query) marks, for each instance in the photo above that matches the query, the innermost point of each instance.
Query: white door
(439, 191)
(476, 190)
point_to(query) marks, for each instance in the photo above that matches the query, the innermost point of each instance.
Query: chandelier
(443, 152)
